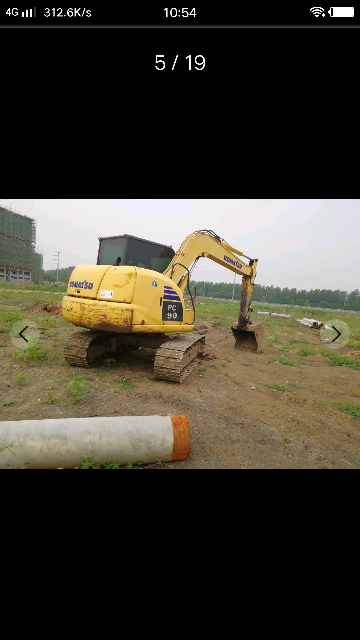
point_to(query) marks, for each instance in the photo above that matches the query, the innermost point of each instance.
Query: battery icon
(341, 12)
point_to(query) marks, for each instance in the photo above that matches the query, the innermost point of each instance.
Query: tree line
(51, 274)
(315, 297)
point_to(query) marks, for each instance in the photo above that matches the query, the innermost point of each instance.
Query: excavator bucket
(251, 338)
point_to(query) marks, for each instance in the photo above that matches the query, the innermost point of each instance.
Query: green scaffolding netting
(17, 226)
(17, 242)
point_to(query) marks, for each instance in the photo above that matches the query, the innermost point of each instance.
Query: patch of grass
(352, 343)
(215, 366)
(342, 361)
(50, 322)
(300, 341)
(227, 359)
(351, 409)
(75, 387)
(124, 383)
(129, 465)
(306, 351)
(35, 354)
(9, 402)
(21, 379)
(283, 360)
(13, 354)
(50, 399)
(10, 317)
(287, 439)
(274, 339)
(278, 387)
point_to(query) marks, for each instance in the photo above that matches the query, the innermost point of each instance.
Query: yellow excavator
(134, 297)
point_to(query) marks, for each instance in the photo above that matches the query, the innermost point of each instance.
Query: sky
(302, 243)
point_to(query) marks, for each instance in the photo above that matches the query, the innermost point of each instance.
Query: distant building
(19, 262)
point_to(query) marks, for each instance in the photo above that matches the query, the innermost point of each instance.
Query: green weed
(75, 387)
(342, 361)
(274, 339)
(287, 439)
(306, 351)
(112, 465)
(21, 379)
(351, 409)
(88, 464)
(110, 362)
(278, 387)
(13, 354)
(9, 402)
(50, 322)
(50, 399)
(215, 366)
(283, 360)
(129, 465)
(124, 383)
(352, 343)
(35, 354)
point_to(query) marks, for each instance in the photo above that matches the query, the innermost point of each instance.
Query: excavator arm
(206, 244)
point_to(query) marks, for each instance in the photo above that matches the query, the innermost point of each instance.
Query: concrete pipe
(280, 315)
(65, 443)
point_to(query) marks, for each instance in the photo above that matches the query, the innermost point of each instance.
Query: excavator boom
(207, 244)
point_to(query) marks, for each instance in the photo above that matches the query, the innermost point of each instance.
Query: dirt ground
(236, 420)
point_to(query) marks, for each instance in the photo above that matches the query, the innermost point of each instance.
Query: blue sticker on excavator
(170, 294)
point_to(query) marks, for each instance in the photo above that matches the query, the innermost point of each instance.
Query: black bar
(235, 13)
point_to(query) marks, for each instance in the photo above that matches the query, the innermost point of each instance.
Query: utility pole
(56, 257)
(232, 299)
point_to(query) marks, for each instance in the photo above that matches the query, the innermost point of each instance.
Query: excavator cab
(135, 252)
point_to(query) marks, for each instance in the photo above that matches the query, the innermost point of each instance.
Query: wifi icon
(317, 11)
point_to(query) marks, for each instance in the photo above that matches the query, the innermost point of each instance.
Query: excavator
(134, 297)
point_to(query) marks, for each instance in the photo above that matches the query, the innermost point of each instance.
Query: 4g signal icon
(28, 13)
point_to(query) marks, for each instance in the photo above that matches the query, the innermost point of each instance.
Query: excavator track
(83, 347)
(176, 359)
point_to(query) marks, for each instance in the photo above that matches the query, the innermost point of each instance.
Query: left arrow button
(21, 334)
